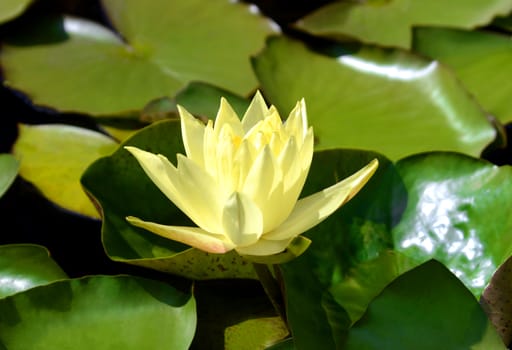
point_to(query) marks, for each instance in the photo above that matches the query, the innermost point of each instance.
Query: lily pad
(8, 171)
(452, 199)
(121, 188)
(366, 20)
(481, 60)
(358, 232)
(425, 308)
(54, 156)
(79, 65)
(10, 9)
(98, 313)
(24, 266)
(385, 100)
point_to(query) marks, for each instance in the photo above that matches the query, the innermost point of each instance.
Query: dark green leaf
(426, 308)
(26, 266)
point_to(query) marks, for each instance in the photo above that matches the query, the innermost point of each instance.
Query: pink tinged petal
(264, 247)
(312, 210)
(242, 220)
(226, 115)
(193, 236)
(192, 133)
(256, 112)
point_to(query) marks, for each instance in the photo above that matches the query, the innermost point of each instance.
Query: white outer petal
(312, 210)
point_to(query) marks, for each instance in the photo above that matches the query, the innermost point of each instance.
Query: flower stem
(271, 287)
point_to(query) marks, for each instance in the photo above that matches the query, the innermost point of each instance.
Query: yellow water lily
(241, 179)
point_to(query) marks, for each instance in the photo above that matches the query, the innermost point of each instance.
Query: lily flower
(240, 181)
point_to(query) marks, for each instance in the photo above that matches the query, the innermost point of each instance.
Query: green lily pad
(199, 98)
(98, 313)
(10, 9)
(482, 61)
(54, 156)
(8, 171)
(121, 188)
(358, 232)
(384, 100)
(425, 308)
(366, 20)
(24, 266)
(458, 213)
(79, 65)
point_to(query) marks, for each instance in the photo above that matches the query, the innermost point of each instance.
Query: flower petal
(242, 220)
(257, 111)
(226, 115)
(313, 209)
(264, 247)
(160, 171)
(192, 133)
(193, 236)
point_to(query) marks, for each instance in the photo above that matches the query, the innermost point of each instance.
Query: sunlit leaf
(482, 61)
(425, 308)
(98, 313)
(8, 171)
(26, 266)
(79, 65)
(389, 22)
(121, 188)
(458, 213)
(54, 156)
(10, 9)
(384, 100)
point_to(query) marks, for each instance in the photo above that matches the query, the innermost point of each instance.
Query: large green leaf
(121, 188)
(427, 308)
(98, 313)
(358, 232)
(458, 212)
(25, 266)
(10, 9)
(482, 60)
(54, 156)
(384, 100)
(76, 65)
(389, 22)
(437, 205)
(8, 171)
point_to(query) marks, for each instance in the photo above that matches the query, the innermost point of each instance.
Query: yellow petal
(257, 111)
(192, 133)
(226, 115)
(193, 236)
(264, 247)
(242, 220)
(312, 210)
